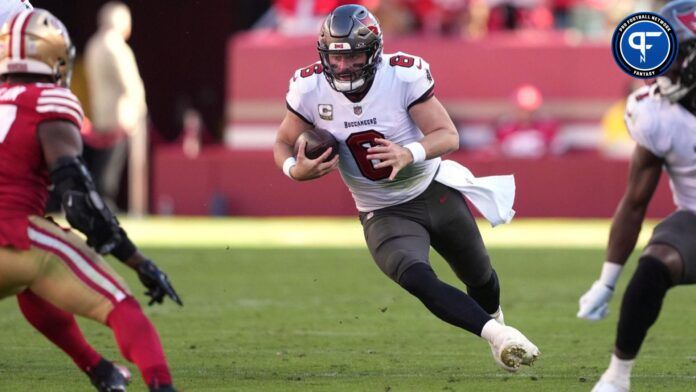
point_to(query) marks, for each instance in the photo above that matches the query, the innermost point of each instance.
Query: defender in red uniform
(52, 269)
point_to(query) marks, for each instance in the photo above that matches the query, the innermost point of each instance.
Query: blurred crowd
(593, 19)
(526, 131)
(522, 130)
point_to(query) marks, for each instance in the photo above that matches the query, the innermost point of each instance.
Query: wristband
(287, 165)
(610, 273)
(417, 151)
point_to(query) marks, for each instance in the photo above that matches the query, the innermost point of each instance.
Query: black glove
(156, 282)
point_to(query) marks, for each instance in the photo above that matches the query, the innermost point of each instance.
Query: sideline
(192, 232)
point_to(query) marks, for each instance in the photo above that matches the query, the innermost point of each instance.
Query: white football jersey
(669, 131)
(9, 8)
(401, 80)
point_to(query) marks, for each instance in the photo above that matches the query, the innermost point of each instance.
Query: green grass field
(292, 317)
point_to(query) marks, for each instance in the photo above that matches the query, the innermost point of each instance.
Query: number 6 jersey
(401, 81)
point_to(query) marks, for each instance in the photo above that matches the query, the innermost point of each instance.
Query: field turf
(304, 314)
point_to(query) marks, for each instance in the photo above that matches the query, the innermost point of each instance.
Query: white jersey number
(8, 113)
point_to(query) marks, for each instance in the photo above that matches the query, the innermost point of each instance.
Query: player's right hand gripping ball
(318, 140)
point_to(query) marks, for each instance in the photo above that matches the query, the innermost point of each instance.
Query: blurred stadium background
(317, 314)
(227, 64)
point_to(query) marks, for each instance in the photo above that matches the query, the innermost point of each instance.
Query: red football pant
(59, 327)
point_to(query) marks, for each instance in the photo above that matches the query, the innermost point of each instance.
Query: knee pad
(653, 269)
(641, 304)
(418, 278)
(492, 284)
(397, 262)
(488, 294)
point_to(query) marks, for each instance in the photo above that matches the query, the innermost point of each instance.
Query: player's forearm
(281, 152)
(440, 142)
(135, 259)
(624, 232)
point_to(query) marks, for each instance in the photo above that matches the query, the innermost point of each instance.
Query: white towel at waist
(492, 196)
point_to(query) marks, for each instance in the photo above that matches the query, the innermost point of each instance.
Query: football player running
(391, 131)
(52, 271)
(660, 118)
(58, 326)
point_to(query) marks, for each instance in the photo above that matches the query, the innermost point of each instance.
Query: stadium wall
(221, 181)
(473, 78)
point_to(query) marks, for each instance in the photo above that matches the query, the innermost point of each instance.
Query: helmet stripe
(16, 38)
(22, 44)
(14, 19)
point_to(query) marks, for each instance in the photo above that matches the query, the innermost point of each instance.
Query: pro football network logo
(644, 45)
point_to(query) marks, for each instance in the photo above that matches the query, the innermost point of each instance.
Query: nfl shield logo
(357, 110)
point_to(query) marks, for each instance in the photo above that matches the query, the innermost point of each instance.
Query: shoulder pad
(53, 90)
(408, 68)
(641, 106)
(642, 96)
(57, 101)
(644, 109)
(306, 79)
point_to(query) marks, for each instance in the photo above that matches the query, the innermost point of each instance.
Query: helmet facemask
(350, 30)
(65, 68)
(356, 79)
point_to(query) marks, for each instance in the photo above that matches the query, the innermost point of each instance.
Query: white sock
(610, 273)
(619, 370)
(498, 316)
(491, 330)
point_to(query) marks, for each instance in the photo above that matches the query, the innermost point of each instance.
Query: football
(318, 140)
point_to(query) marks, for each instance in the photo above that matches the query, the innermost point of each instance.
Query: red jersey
(23, 173)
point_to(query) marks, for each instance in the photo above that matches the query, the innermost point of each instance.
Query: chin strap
(348, 86)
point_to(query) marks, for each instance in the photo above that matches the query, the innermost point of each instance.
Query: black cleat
(109, 377)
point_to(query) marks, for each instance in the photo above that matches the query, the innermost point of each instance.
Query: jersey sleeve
(59, 103)
(643, 123)
(414, 74)
(298, 98)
